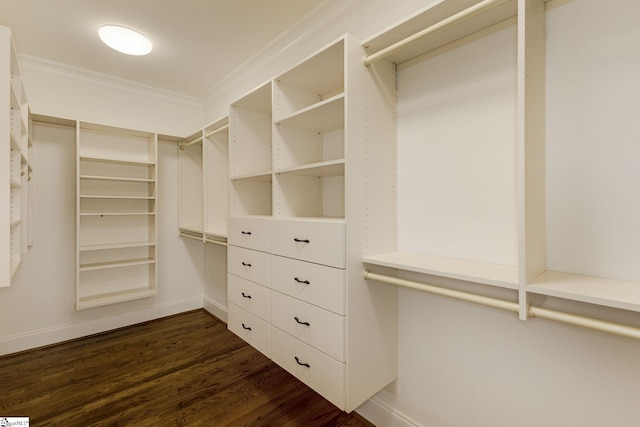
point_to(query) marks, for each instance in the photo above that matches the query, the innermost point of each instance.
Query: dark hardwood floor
(183, 370)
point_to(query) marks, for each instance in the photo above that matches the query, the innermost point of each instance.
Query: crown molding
(51, 67)
(308, 30)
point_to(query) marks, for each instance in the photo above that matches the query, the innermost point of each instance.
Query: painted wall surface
(39, 308)
(60, 91)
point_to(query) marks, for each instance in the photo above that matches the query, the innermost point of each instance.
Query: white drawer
(315, 326)
(316, 284)
(249, 264)
(250, 296)
(317, 370)
(250, 328)
(322, 242)
(252, 233)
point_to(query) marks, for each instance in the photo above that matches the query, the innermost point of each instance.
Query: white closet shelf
(115, 213)
(15, 223)
(107, 265)
(97, 196)
(216, 235)
(15, 145)
(320, 169)
(114, 297)
(595, 290)
(15, 184)
(322, 117)
(259, 176)
(504, 276)
(195, 229)
(436, 14)
(116, 178)
(15, 102)
(116, 161)
(15, 263)
(123, 245)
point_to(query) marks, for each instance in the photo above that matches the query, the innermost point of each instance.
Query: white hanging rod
(218, 130)
(458, 17)
(216, 242)
(532, 311)
(189, 236)
(195, 141)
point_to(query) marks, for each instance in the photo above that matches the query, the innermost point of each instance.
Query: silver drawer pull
(295, 239)
(248, 328)
(301, 322)
(306, 282)
(301, 363)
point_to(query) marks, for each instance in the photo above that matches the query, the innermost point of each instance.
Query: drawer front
(254, 298)
(323, 374)
(250, 265)
(314, 241)
(252, 233)
(255, 331)
(315, 326)
(316, 284)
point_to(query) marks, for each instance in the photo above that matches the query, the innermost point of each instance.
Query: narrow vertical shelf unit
(250, 151)
(116, 215)
(215, 152)
(204, 183)
(15, 145)
(295, 286)
(567, 170)
(191, 186)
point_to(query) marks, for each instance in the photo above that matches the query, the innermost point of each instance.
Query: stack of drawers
(287, 296)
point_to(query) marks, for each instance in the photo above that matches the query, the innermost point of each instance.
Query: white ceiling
(196, 42)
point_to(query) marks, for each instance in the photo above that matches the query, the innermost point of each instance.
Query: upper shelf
(504, 276)
(115, 160)
(441, 18)
(321, 117)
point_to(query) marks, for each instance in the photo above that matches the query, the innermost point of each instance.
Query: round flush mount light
(125, 40)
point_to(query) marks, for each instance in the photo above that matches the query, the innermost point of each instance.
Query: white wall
(39, 308)
(61, 91)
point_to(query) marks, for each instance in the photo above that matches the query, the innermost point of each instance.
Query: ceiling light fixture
(125, 40)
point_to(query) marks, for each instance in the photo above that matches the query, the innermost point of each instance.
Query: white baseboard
(383, 414)
(71, 331)
(215, 308)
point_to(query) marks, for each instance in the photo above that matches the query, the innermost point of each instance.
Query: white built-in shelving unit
(295, 284)
(15, 148)
(515, 148)
(204, 183)
(116, 215)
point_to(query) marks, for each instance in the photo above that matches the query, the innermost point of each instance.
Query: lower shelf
(114, 297)
(505, 276)
(595, 290)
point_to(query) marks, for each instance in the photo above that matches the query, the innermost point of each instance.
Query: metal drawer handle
(306, 282)
(246, 296)
(300, 363)
(301, 322)
(295, 239)
(246, 264)
(248, 328)
(246, 232)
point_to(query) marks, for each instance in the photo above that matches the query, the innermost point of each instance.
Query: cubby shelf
(320, 169)
(123, 245)
(115, 178)
(325, 116)
(116, 160)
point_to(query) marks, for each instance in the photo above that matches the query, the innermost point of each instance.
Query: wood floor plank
(184, 370)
